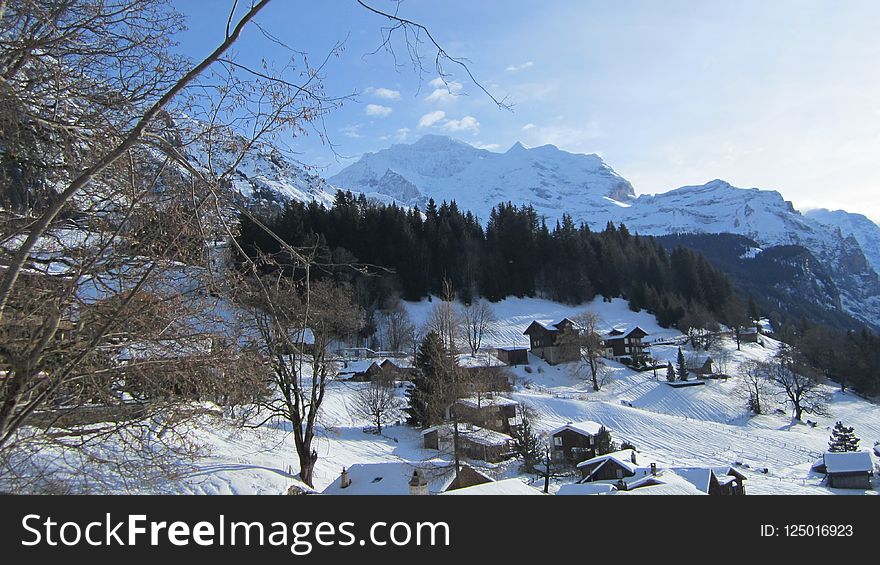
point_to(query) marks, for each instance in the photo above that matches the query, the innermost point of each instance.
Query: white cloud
(533, 91)
(401, 134)
(431, 118)
(576, 137)
(529, 126)
(352, 131)
(444, 91)
(467, 123)
(520, 67)
(384, 93)
(377, 110)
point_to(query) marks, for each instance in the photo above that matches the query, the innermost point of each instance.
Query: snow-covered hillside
(674, 427)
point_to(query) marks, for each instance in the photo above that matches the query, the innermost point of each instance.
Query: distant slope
(786, 279)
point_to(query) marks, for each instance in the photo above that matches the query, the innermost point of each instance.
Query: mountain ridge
(583, 186)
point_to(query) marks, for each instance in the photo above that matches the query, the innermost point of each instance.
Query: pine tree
(603, 441)
(670, 372)
(426, 397)
(843, 439)
(527, 444)
(682, 366)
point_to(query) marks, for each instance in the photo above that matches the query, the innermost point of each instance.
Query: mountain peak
(516, 148)
(435, 141)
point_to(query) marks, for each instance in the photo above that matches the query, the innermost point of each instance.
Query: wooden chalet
(716, 481)
(366, 370)
(466, 477)
(575, 442)
(490, 411)
(619, 465)
(544, 341)
(748, 335)
(701, 369)
(626, 343)
(513, 356)
(474, 442)
(398, 369)
(852, 469)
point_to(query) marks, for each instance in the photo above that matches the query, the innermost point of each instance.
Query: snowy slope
(690, 427)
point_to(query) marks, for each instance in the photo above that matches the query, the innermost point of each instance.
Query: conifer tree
(427, 398)
(670, 372)
(603, 441)
(527, 444)
(843, 439)
(682, 366)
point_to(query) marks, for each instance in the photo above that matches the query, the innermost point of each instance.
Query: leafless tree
(800, 385)
(445, 319)
(280, 312)
(477, 319)
(378, 401)
(115, 195)
(754, 387)
(106, 208)
(585, 337)
(396, 328)
(721, 357)
(700, 326)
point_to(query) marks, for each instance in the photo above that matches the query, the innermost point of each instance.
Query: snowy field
(696, 426)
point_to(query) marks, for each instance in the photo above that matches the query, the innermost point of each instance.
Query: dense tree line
(386, 250)
(849, 358)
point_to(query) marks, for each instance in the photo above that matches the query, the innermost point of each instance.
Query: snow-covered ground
(697, 426)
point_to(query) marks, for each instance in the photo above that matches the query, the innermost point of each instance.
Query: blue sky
(782, 94)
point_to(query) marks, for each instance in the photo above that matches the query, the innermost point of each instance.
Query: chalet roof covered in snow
(505, 487)
(305, 336)
(622, 458)
(579, 489)
(553, 326)
(665, 484)
(586, 427)
(399, 362)
(352, 367)
(390, 478)
(487, 401)
(472, 433)
(468, 361)
(701, 477)
(623, 332)
(848, 462)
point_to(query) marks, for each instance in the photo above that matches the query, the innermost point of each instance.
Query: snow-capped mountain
(866, 232)
(556, 182)
(766, 217)
(265, 170)
(551, 180)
